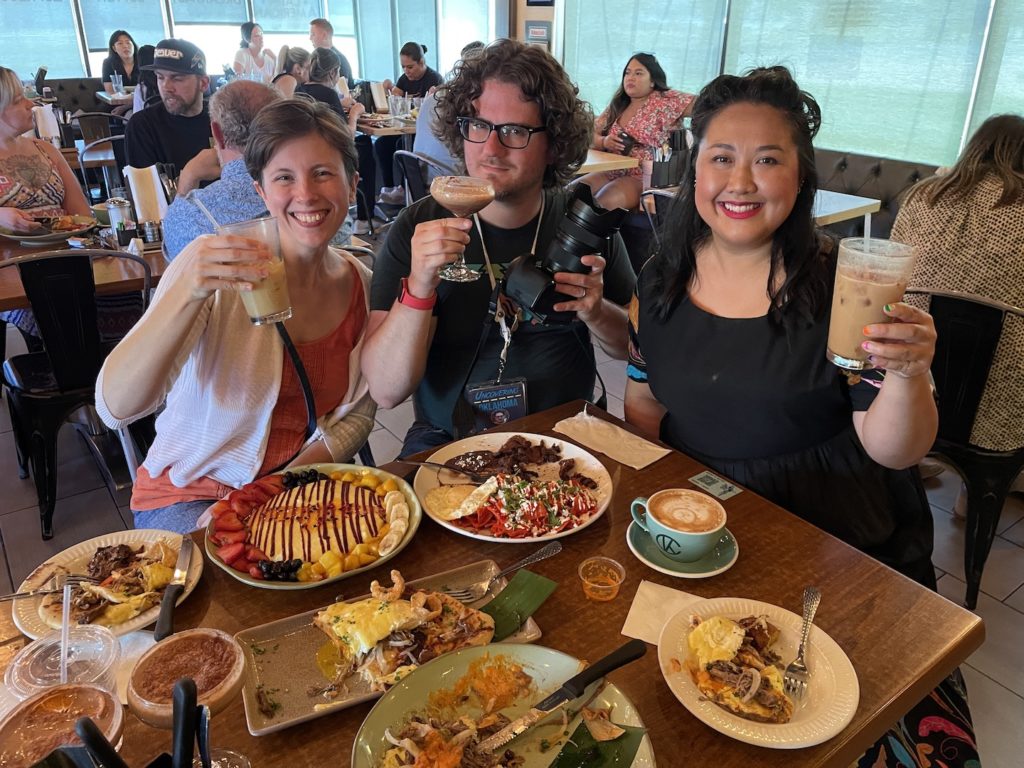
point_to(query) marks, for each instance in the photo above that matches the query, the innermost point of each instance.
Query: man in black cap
(178, 128)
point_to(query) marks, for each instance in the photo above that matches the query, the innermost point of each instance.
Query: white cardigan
(222, 391)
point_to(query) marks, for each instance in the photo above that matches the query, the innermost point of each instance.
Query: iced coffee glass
(268, 301)
(870, 274)
(463, 196)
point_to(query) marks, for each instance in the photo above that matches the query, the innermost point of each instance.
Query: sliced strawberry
(220, 508)
(240, 505)
(241, 565)
(255, 554)
(229, 537)
(228, 522)
(231, 552)
(255, 572)
(272, 484)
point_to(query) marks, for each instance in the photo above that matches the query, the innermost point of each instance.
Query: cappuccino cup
(684, 524)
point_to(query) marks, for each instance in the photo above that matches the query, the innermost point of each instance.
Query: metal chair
(44, 388)
(106, 152)
(414, 166)
(969, 329)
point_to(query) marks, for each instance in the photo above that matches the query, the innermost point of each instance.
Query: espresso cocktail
(463, 196)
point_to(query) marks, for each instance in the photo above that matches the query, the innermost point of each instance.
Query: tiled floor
(995, 673)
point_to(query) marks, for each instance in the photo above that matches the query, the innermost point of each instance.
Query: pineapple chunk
(369, 481)
(351, 562)
(349, 477)
(334, 570)
(366, 559)
(389, 485)
(318, 570)
(330, 558)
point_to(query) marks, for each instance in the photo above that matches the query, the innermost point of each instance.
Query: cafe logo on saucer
(668, 545)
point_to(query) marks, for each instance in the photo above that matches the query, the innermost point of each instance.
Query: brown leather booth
(867, 176)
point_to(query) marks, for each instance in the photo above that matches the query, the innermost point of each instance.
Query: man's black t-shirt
(419, 87)
(346, 68)
(556, 360)
(156, 136)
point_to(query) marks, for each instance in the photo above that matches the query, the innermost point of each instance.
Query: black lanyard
(307, 393)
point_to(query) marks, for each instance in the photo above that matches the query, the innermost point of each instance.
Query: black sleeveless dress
(759, 403)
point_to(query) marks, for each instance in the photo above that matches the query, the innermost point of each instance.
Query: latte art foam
(687, 511)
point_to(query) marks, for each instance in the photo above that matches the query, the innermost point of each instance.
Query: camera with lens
(585, 228)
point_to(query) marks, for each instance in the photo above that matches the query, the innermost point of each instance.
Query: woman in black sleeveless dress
(727, 364)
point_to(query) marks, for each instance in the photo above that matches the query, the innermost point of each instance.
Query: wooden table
(116, 99)
(606, 161)
(901, 638)
(405, 129)
(101, 156)
(111, 275)
(831, 207)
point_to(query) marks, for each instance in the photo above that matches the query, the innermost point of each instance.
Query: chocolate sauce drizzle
(312, 510)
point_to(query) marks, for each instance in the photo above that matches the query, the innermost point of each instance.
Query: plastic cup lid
(94, 654)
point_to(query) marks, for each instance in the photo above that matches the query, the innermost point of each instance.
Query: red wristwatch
(415, 302)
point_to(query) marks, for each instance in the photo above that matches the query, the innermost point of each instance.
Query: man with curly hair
(514, 117)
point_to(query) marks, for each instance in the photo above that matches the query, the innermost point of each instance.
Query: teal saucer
(717, 561)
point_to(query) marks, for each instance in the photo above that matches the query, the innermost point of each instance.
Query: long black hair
(118, 33)
(797, 248)
(621, 100)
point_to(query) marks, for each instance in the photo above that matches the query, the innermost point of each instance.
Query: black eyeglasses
(511, 135)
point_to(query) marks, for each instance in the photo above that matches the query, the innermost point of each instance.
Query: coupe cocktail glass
(463, 196)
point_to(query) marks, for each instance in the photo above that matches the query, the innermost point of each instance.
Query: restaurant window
(341, 14)
(378, 56)
(892, 79)
(285, 22)
(36, 33)
(213, 25)
(601, 35)
(417, 23)
(1001, 85)
(142, 19)
(462, 22)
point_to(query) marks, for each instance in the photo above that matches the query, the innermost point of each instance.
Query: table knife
(165, 621)
(571, 689)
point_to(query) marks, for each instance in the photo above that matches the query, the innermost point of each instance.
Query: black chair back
(61, 292)
(969, 329)
(413, 166)
(968, 334)
(60, 288)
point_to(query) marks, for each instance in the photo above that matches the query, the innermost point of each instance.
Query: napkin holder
(147, 192)
(667, 173)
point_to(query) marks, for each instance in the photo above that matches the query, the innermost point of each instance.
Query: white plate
(826, 709)
(76, 558)
(549, 669)
(27, 238)
(427, 478)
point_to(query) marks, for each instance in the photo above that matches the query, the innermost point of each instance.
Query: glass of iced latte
(870, 274)
(463, 196)
(268, 301)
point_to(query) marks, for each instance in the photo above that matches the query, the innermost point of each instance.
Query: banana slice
(393, 537)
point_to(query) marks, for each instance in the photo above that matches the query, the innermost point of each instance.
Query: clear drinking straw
(65, 632)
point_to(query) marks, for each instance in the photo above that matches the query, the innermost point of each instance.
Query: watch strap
(415, 302)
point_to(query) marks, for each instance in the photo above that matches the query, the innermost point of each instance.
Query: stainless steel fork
(474, 592)
(51, 586)
(797, 675)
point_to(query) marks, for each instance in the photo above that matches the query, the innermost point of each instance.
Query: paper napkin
(653, 605)
(611, 440)
(46, 123)
(147, 193)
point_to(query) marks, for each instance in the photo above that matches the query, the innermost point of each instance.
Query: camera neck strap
(307, 392)
(505, 313)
